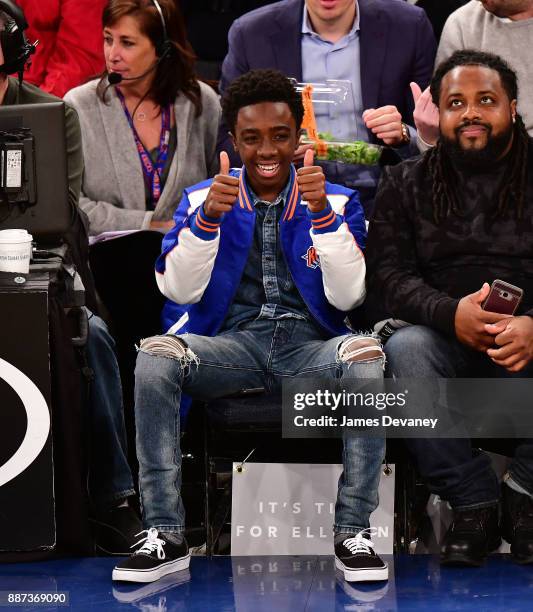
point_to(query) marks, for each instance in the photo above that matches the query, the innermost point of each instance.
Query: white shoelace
(151, 543)
(360, 544)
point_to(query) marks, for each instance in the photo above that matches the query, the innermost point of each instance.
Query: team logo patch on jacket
(311, 258)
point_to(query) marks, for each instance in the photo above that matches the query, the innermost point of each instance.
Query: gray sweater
(113, 192)
(472, 27)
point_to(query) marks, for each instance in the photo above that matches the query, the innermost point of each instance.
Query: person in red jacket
(70, 42)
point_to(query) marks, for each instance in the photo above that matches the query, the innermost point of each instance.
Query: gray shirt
(472, 27)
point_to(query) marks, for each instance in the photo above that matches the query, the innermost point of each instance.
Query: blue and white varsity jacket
(201, 264)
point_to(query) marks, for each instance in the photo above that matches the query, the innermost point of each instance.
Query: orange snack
(309, 121)
(321, 148)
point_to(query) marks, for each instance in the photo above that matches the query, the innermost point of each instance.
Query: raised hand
(312, 183)
(223, 192)
(425, 115)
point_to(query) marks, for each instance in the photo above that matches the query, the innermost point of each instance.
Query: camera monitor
(33, 170)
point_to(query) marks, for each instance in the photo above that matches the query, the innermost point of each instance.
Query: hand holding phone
(503, 298)
(513, 336)
(471, 319)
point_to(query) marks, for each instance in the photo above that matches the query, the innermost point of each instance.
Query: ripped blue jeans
(258, 353)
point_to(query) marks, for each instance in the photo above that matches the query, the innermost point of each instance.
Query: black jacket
(417, 269)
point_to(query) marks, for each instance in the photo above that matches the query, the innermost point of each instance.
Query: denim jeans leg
(357, 495)
(214, 367)
(110, 478)
(158, 382)
(521, 468)
(451, 468)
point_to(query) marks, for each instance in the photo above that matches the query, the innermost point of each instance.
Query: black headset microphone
(115, 78)
(15, 46)
(163, 49)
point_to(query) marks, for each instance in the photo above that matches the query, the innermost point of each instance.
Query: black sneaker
(472, 535)
(157, 557)
(355, 556)
(517, 524)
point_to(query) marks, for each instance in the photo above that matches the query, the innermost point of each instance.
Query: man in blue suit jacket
(379, 45)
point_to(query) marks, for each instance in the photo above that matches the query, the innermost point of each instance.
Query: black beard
(478, 159)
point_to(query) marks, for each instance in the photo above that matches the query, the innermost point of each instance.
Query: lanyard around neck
(152, 172)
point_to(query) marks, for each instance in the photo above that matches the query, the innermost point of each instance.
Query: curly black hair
(445, 198)
(259, 86)
(470, 57)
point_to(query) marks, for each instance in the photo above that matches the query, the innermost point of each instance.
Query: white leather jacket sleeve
(343, 267)
(188, 268)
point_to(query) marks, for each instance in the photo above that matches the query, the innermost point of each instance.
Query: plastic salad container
(357, 152)
(328, 101)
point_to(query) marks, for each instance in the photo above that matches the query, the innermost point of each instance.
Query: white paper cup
(15, 251)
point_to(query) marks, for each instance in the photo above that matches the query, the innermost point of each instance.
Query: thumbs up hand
(223, 192)
(425, 115)
(312, 183)
(224, 163)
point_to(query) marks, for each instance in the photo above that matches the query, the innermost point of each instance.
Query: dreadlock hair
(258, 86)
(512, 190)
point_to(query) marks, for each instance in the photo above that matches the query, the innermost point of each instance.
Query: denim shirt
(266, 290)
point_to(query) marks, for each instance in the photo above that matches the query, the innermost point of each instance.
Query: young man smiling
(446, 225)
(262, 265)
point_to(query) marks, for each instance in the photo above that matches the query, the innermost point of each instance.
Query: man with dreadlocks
(445, 225)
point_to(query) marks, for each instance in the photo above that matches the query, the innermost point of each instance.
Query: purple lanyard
(152, 172)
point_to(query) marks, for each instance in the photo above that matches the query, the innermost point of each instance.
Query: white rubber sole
(362, 575)
(151, 575)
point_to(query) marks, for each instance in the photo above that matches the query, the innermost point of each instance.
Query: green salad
(357, 152)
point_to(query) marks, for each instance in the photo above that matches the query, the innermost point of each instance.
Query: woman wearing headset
(148, 126)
